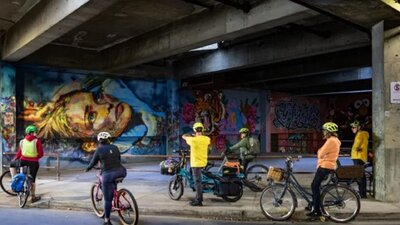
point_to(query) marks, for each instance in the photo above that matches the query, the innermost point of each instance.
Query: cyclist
(327, 156)
(30, 150)
(359, 153)
(110, 158)
(242, 148)
(198, 158)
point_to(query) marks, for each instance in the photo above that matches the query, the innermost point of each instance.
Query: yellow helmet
(356, 123)
(244, 130)
(331, 127)
(197, 125)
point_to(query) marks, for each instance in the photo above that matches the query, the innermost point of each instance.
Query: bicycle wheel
(128, 209)
(5, 183)
(24, 194)
(340, 203)
(257, 175)
(175, 188)
(277, 203)
(96, 194)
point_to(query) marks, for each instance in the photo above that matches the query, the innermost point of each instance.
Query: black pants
(108, 187)
(33, 167)
(245, 163)
(316, 185)
(197, 183)
(362, 183)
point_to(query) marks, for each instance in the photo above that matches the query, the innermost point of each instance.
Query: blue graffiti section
(294, 115)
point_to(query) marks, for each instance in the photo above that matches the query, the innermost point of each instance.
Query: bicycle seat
(119, 180)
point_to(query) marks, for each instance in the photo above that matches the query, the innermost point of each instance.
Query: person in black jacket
(110, 158)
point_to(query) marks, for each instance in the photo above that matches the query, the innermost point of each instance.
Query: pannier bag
(231, 168)
(275, 174)
(229, 188)
(17, 183)
(350, 172)
(169, 167)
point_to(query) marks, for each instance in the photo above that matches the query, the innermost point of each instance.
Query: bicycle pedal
(322, 218)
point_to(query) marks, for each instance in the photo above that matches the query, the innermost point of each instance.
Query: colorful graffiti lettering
(294, 115)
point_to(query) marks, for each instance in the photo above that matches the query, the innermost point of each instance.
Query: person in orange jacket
(327, 156)
(359, 153)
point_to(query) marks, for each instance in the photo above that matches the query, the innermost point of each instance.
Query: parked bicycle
(123, 202)
(5, 183)
(278, 201)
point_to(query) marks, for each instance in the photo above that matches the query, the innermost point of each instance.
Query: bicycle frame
(291, 182)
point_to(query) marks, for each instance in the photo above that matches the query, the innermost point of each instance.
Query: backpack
(18, 182)
(254, 146)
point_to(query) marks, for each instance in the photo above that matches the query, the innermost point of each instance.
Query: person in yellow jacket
(198, 158)
(359, 153)
(327, 156)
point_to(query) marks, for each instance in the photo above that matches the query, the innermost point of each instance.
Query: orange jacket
(328, 153)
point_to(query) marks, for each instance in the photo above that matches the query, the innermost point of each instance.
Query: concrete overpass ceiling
(117, 35)
(11, 11)
(362, 14)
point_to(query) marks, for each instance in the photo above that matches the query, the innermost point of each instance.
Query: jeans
(316, 185)
(109, 187)
(362, 183)
(197, 183)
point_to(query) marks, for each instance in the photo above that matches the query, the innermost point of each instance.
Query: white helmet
(103, 136)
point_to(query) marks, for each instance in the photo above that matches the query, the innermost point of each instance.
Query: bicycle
(278, 201)
(123, 202)
(257, 174)
(5, 183)
(228, 188)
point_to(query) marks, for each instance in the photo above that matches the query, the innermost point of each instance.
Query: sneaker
(196, 203)
(35, 199)
(314, 214)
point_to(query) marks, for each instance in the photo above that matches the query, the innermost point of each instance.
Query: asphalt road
(34, 216)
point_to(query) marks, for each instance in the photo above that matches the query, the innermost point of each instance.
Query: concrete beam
(323, 79)
(208, 27)
(277, 47)
(47, 21)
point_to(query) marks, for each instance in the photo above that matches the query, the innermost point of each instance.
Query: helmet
(197, 125)
(103, 136)
(31, 129)
(331, 127)
(356, 123)
(244, 130)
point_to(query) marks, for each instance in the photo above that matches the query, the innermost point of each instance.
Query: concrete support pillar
(386, 115)
(7, 111)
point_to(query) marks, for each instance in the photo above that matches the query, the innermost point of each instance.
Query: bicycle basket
(275, 174)
(350, 172)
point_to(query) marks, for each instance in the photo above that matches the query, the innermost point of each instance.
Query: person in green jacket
(359, 153)
(242, 148)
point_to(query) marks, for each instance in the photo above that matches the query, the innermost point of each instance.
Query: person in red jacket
(30, 150)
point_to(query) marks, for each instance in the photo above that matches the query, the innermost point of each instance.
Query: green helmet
(31, 129)
(244, 130)
(356, 123)
(197, 125)
(331, 127)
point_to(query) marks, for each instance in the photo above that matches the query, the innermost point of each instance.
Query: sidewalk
(150, 191)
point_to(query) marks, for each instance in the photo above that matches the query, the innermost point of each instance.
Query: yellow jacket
(328, 153)
(198, 150)
(360, 146)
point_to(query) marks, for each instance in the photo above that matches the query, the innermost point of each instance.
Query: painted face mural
(79, 111)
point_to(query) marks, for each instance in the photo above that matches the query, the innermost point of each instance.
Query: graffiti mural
(223, 113)
(71, 109)
(292, 114)
(7, 108)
